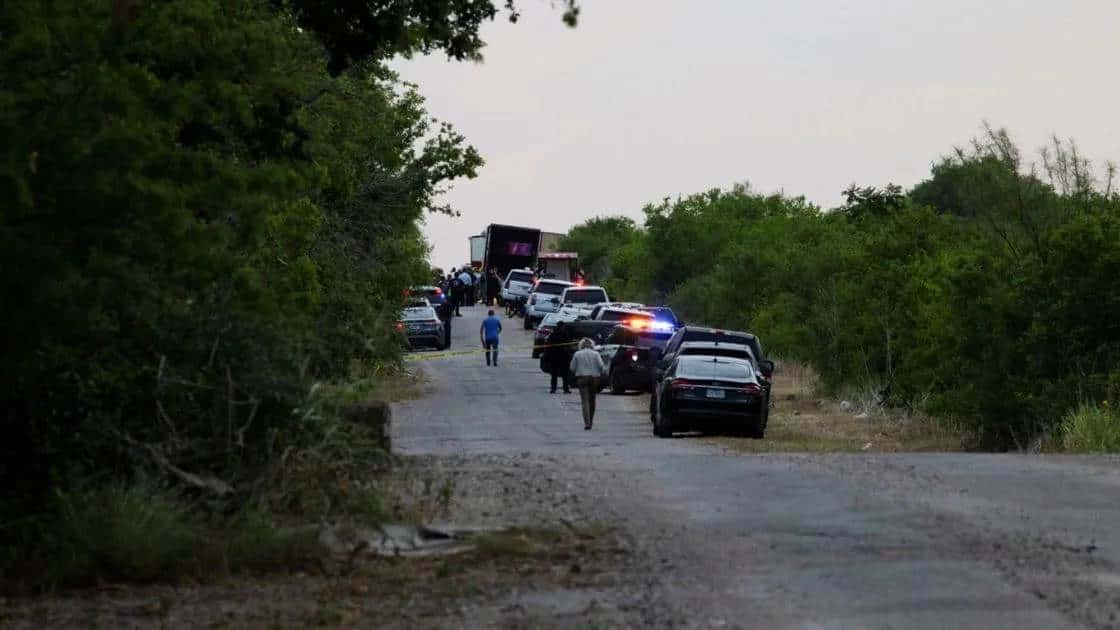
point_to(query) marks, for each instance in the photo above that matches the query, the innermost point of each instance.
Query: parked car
(517, 285)
(544, 329)
(700, 333)
(582, 300)
(421, 326)
(728, 338)
(544, 299)
(626, 353)
(434, 294)
(701, 393)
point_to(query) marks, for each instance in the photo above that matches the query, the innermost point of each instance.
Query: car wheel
(662, 423)
(617, 386)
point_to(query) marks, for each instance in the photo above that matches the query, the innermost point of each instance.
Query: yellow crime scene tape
(443, 354)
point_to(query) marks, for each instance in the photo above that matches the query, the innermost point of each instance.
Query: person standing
(493, 287)
(445, 314)
(587, 366)
(456, 294)
(488, 333)
(558, 353)
(466, 279)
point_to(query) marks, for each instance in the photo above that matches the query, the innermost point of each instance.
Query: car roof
(587, 287)
(556, 281)
(628, 311)
(691, 358)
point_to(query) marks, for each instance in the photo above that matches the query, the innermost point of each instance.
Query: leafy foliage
(202, 217)
(986, 292)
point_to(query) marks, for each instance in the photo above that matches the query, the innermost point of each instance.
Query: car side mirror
(766, 367)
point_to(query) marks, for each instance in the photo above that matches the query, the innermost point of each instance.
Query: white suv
(544, 299)
(518, 284)
(582, 300)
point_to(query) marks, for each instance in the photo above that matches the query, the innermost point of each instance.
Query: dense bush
(206, 210)
(987, 292)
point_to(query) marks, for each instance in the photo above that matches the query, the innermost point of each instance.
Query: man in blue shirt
(489, 331)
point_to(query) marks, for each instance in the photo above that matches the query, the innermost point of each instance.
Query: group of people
(466, 287)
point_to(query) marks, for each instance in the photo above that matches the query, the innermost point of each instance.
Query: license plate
(716, 393)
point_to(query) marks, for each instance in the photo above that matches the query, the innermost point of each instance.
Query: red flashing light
(439, 291)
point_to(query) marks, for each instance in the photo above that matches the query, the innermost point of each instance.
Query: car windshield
(716, 351)
(551, 288)
(521, 276)
(705, 368)
(585, 296)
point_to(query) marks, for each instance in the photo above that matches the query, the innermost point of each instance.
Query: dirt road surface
(794, 540)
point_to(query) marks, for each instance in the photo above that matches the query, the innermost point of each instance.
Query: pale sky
(648, 99)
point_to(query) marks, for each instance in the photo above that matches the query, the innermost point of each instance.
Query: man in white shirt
(587, 368)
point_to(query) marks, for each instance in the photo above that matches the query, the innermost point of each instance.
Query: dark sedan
(702, 393)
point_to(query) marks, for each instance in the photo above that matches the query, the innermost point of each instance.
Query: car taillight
(682, 383)
(750, 389)
(634, 357)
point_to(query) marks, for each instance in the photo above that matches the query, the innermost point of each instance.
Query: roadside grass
(371, 592)
(323, 467)
(804, 421)
(1088, 429)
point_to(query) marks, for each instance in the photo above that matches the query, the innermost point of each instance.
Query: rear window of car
(622, 316)
(662, 313)
(521, 276)
(419, 313)
(716, 352)
(551, 288)
(716, 370)
(724, 337)
(585, 296)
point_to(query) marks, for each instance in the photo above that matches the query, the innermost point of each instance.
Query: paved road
(804, 541)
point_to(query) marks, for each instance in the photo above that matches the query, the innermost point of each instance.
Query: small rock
(845, 406)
